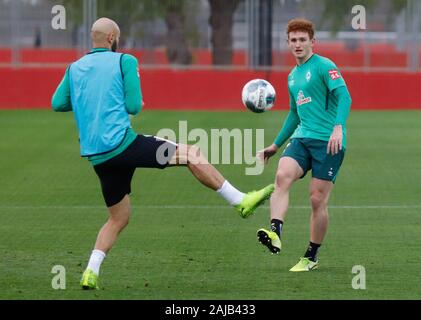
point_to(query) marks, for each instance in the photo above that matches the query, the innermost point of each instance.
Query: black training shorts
(116, 173)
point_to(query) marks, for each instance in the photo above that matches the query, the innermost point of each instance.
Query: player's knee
(283, 179)
(121, 220)
(318, 200)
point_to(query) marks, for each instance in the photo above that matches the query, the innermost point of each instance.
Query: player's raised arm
(61, 97)
(131, 78)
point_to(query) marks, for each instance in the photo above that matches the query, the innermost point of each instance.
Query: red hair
(303, 25)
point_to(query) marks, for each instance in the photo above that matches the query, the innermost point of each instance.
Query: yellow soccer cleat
(254, 199)
(89, 280)
(269, 239)
(305, 264)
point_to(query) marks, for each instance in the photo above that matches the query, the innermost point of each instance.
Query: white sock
(95, 261)
(230, 193)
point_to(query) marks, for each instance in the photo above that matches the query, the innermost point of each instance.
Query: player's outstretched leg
(245, 204)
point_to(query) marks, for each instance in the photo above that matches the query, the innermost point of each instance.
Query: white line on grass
(208, 207)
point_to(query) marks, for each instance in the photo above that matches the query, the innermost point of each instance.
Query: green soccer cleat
(89, 280)
(305, 264)
(253, 199)
(269, 239)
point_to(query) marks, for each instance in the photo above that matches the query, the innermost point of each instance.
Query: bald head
(105, 33)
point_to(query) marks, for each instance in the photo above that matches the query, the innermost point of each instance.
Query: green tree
(128, 12)
(174, 12)
(221, 22)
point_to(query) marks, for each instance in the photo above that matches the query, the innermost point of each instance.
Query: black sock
(312, 251)
(276, 226)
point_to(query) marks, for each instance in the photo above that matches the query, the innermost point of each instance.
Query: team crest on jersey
(301, 99)
(308, 76)
(334, 74)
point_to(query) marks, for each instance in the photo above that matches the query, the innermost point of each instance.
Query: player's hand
(335, 142)
(266, 153)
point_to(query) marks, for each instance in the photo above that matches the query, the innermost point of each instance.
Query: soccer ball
(258, 95)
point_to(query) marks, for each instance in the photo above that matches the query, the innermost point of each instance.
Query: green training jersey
(310, 87)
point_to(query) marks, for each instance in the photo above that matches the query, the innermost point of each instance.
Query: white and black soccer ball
(258, 95)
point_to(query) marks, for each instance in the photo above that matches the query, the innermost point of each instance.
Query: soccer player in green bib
(316, 123)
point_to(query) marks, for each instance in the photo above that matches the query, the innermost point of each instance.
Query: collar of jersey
(298, 66)
(94, 50)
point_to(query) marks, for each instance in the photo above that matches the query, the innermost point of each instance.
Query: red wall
(378, 55)
(212, 89)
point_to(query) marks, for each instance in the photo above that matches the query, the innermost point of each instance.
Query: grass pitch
(183, 241)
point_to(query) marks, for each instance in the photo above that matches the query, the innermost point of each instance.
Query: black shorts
(116, 173)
